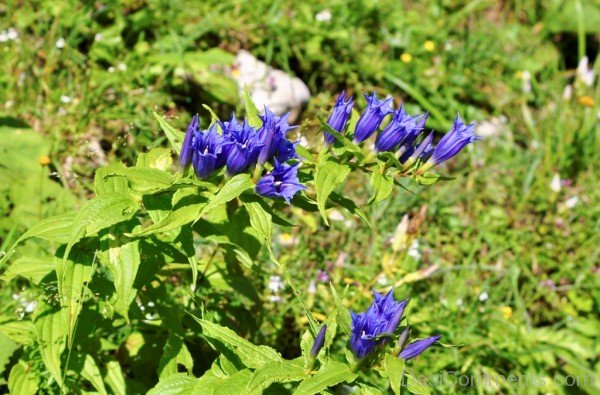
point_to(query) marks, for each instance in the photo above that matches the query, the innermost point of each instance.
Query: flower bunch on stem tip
(239, 147)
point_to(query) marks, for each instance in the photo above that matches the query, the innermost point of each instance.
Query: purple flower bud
(380, 319)
(339, 116)
(319, 342)
(417, 347)
(281, 182)
(403, 339)
(371, 117)
(453, 142)
(402, 127)
(414, 153)
(185, 157)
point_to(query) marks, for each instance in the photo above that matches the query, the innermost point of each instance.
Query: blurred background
(503, 261)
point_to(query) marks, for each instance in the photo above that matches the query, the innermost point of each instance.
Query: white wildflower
(275, 284)
(585, 74)
(66, 99)
(572, 202)
(413, 250)
(323, 16)
(122, 66)
(555, 183)
(568, 92)
(61, 43)
(526, 78)
(483, 296)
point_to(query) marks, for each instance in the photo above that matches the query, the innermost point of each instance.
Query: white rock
(270, 87)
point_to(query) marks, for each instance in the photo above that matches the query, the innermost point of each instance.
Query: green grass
(508, 273)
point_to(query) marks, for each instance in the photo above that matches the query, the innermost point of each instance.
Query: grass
(506, 268)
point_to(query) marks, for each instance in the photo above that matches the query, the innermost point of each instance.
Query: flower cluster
(372, 329)
(239, 147)
(403, 134)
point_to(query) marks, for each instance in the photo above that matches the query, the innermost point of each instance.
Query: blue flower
(185, 157)
(454, 141)
(286, 150)
(339, 116)
(281, 182)
(372, 328)
(422, 151)
(417, 347)
(272, 132)
(371, 117)
(400, 127)
(244, 148)
(319, 342)
(207, 151)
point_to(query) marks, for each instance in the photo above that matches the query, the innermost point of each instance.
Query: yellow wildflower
(429, 46)
(44, 160)
(406, 57)
(587, 101)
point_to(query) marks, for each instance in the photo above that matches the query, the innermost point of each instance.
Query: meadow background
(503, 261)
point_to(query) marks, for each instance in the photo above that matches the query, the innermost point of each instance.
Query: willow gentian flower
(245, 146)
(394, 134)
(271, 133)
(319, 342)
(452, 143)
(372, 328)
(417, 347)
(286, 150)
(206, 151)
(371, 117)
(185, 157)
(281, 182)
(339, 116)
(421, 151)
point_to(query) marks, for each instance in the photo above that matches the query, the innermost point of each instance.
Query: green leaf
(177, 384)
(175, 353)
(175, 136)
(250, 355)
(174, 220)
(8, 347)
(22, 332)
(100, 213)
(382, 184)
(144, 180)
(330, 374)
(85, 365)
(104, 185)
(350, 206)
(261, 221)
(275, 372)
(115, 378)
(415, 386)
(156, 158)
(234, 383)
(431, 178)
(251, 110)
(123, 263)
(32, 268)
(329, 174)
(51, 330)
(73, 274)
(22, 380)
(232, 189)
(394, 368)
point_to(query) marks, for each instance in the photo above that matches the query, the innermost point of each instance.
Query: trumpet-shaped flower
(371, 117)
(339, 116)
(244, 148)
(281, 182)
(372, 328)
(453, 142)
(272, 133)
(185, 157)
(417, 347)
(402, 127)
(206, 151)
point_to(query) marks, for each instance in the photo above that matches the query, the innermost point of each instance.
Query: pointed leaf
(51, 330)
(329, 375)
(329, 175)
(175, 136)
(275, 372)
